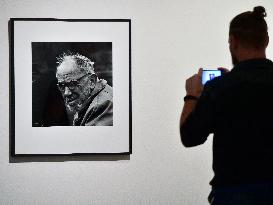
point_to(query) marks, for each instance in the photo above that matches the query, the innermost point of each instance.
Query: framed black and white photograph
(70, 86)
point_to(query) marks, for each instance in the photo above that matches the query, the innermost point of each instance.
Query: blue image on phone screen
(209, 75)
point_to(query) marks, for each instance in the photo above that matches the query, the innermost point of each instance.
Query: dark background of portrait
(48, 107)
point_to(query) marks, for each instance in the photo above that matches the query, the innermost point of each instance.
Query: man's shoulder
(217, 82)
(219, 85)
(100, 110)
(225, 80)
(105, 96)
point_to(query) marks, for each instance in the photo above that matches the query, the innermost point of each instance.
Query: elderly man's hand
(194, 85)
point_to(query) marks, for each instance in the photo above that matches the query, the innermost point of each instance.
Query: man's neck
(251, 54)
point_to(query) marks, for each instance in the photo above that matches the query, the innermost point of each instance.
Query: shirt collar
(253, 64)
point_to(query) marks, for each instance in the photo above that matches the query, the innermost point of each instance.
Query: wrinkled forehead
(68, 71)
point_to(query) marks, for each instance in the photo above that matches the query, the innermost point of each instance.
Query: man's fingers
(200, 72)
(224, 70)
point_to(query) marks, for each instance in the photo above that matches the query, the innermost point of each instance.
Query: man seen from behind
(237, 108)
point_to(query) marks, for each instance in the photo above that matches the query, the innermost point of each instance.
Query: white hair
(83, 62)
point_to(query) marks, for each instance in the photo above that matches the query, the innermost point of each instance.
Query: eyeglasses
(71, 85)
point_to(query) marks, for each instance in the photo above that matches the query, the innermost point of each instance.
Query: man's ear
(93, 79)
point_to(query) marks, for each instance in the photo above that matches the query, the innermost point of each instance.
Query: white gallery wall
(170, 41)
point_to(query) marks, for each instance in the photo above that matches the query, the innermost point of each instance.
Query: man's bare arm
(194, 88)
(188, 107)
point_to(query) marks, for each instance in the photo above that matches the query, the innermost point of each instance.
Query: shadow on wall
(48, 158)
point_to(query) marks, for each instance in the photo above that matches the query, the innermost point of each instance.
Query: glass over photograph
(72, 84)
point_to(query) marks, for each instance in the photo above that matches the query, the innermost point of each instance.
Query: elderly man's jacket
(98, 110)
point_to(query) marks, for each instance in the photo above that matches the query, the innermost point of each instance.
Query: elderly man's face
(76, 86)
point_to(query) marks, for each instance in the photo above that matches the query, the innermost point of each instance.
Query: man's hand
(194, 85)
(224, 70)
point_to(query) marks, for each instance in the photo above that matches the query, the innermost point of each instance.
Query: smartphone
(209, 75)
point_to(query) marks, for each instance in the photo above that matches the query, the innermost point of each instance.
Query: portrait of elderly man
(89, 98)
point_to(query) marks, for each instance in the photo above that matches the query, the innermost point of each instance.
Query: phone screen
(209, 75)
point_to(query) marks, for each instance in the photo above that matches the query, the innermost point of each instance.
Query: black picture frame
(14, 77)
